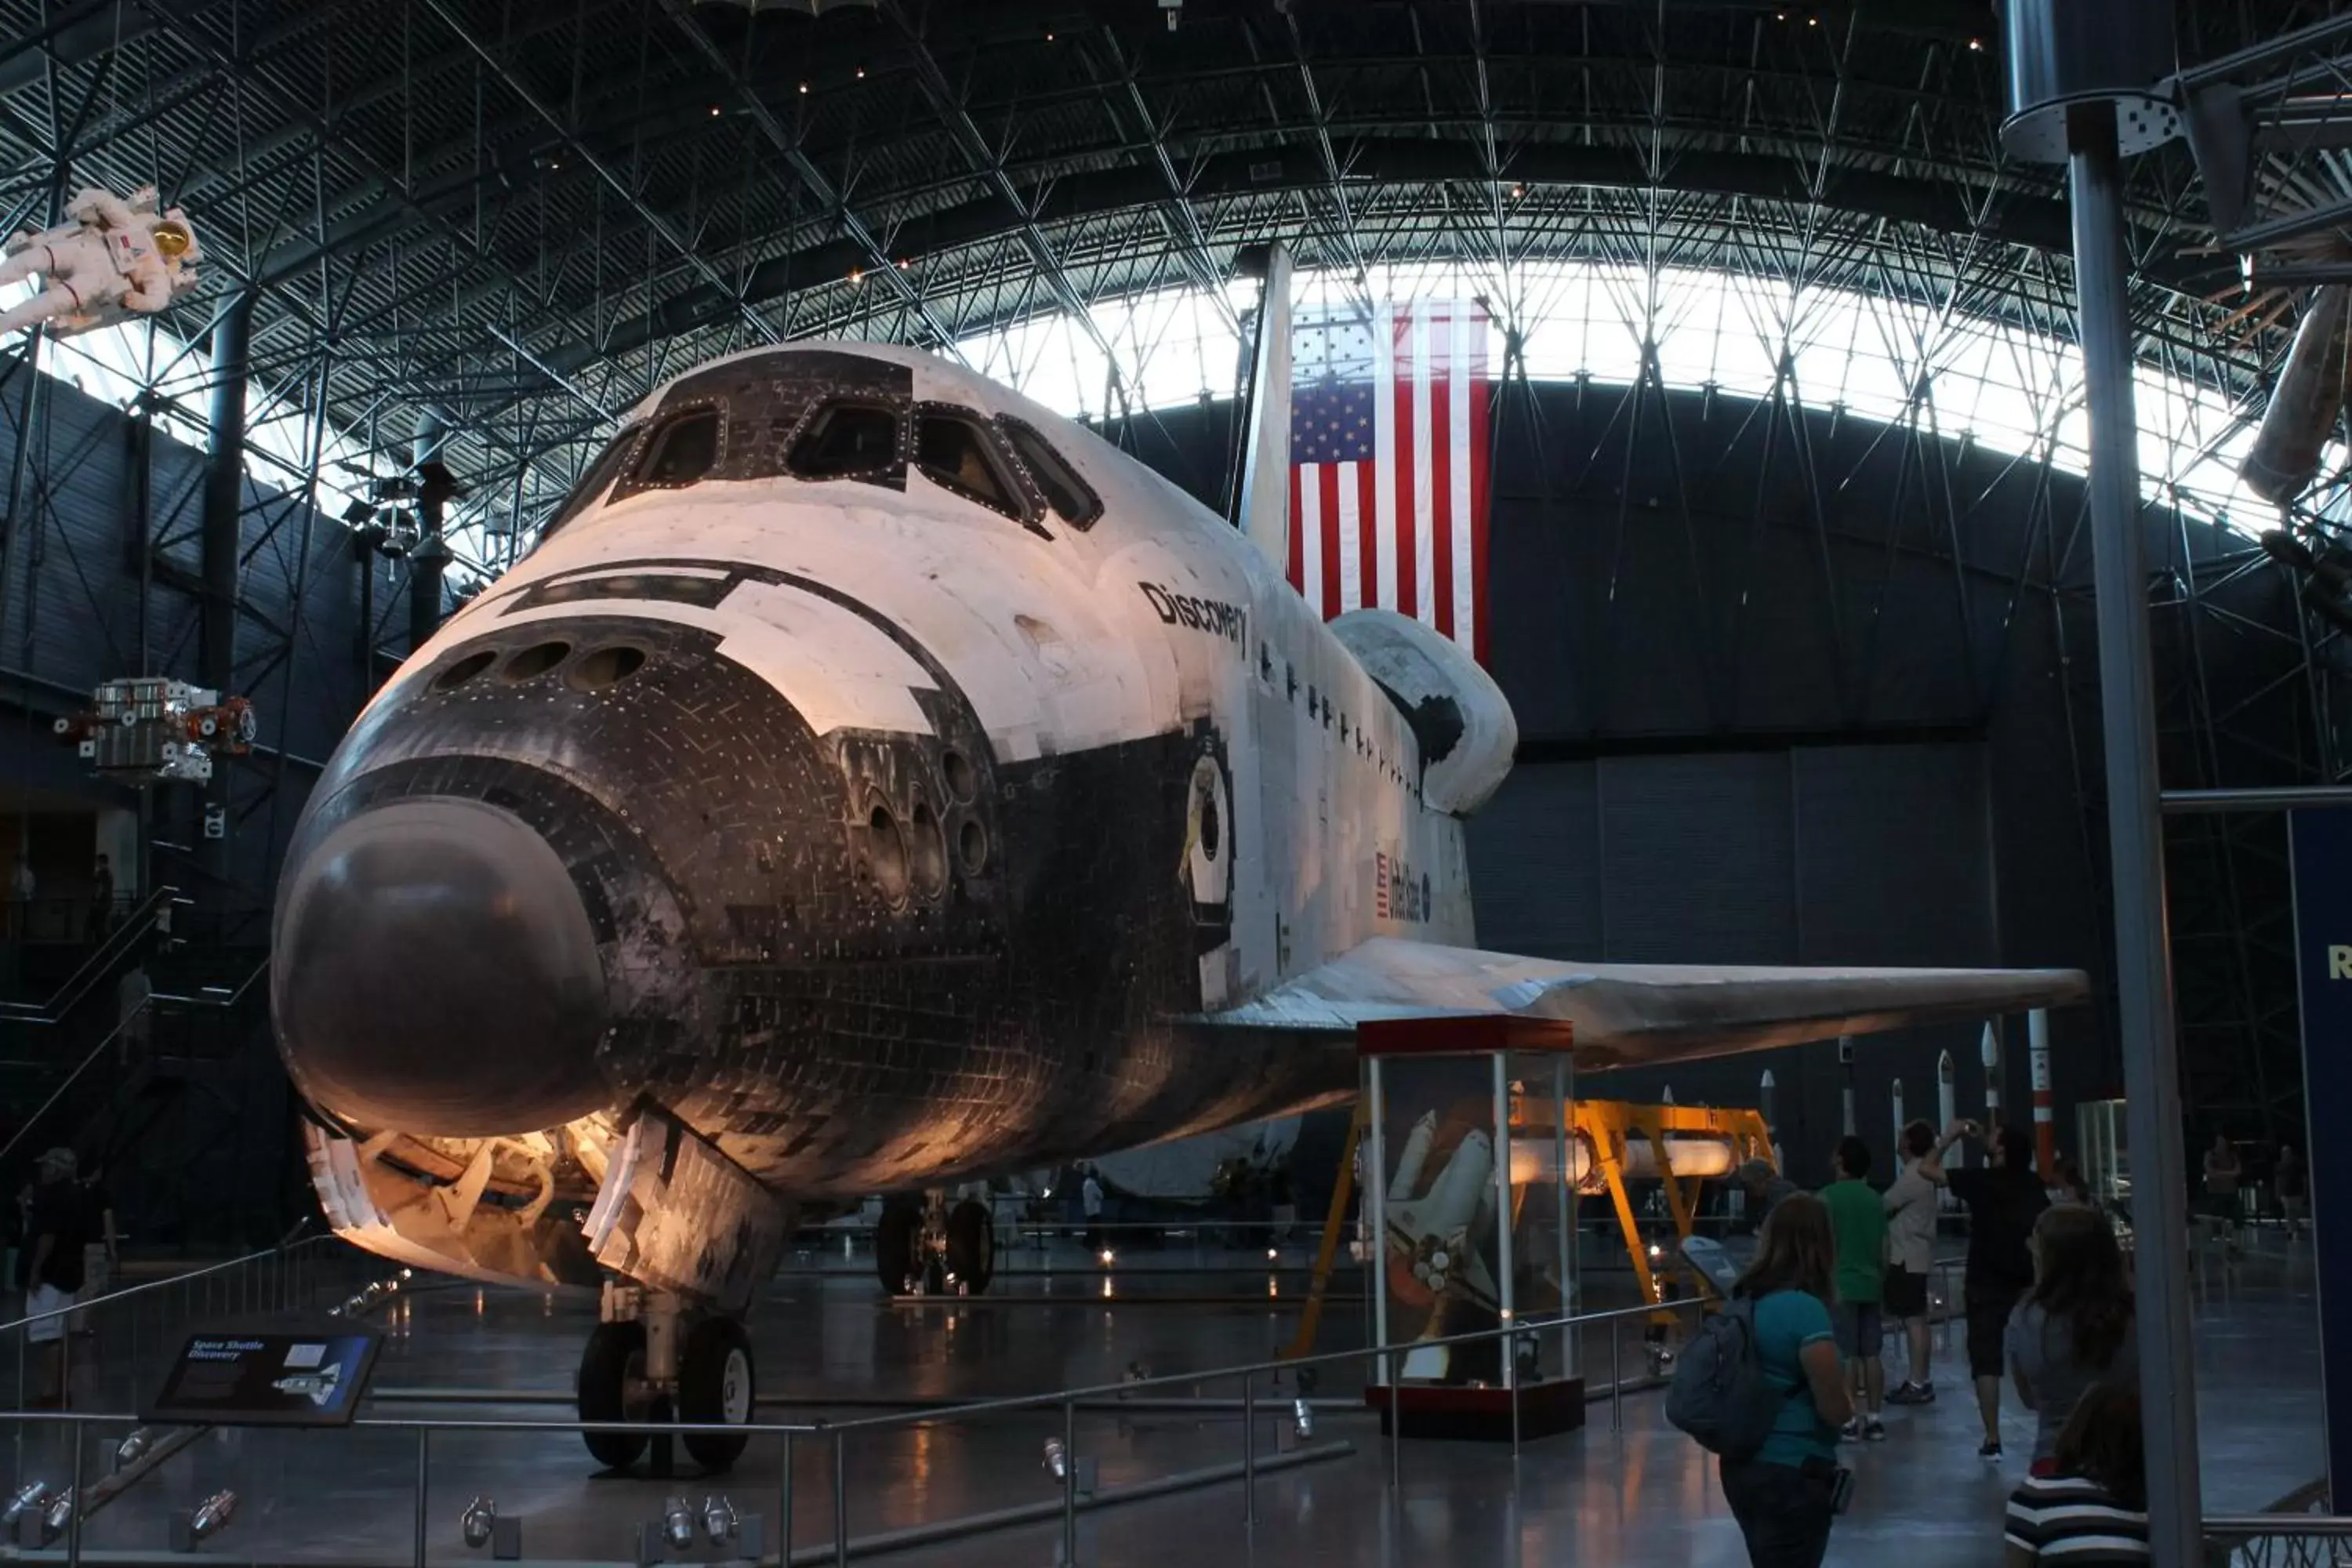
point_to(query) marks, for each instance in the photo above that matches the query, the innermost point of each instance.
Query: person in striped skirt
(2093, 1511)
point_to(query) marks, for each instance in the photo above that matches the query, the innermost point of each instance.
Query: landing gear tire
(715, 1386)
(897, 1238)
(614, 1360)
(972, 1245)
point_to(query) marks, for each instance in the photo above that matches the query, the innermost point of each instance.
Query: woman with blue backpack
(1786, 1493)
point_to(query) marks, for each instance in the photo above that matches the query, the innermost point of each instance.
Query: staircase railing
(214, 997)
(151, 915)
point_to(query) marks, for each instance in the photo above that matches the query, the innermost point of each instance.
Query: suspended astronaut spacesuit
(115, 258)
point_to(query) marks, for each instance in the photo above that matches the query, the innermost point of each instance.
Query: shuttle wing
(1627, 1015)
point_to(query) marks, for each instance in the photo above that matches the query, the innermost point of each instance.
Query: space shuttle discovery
(874, 781)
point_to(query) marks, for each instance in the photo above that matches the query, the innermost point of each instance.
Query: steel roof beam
(828, 198)
(983, 161)
(652, 219)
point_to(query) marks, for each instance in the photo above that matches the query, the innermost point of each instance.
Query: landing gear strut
(650, 1358)
(930, 1248)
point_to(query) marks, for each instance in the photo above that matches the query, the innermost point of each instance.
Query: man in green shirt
(1859, 1220)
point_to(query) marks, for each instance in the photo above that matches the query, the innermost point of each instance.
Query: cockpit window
(1065, 491)
(953, 450)
(680, 450)
(846, 439)
(597, 480)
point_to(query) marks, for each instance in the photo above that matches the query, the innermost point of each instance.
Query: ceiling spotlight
(861, 73)
(1976, 45)
(714, 111)
(1517, 191)
(805, 90)
(1272, 1253)
(134, 1448)
(857, 275)
(1108, 1257)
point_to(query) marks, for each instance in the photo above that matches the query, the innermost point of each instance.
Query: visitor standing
(53, 1274)
(2223, 1174)
(2074, 1328)
(101, 901)
(1910, 1204)
(2004, 1199)
(2092, 1509)
(1785, 1496)
(1765, 1188)
(1090, 1200)
(2293, 1178)
(1858, 1221)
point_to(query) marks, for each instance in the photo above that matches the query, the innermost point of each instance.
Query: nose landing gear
(650, 1361)
(928, 1249)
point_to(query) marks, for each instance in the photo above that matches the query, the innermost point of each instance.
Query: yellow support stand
(1335, 1225)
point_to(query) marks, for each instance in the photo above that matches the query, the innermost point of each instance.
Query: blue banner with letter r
(2321, 843)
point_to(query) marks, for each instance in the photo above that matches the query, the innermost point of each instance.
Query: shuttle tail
(1262, 503)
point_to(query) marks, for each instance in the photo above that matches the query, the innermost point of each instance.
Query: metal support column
(223, 537)
(2135, 838)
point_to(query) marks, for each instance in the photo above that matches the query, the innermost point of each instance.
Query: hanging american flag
(1389, 463)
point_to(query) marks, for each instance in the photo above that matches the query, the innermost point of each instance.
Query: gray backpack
(1719, 1394)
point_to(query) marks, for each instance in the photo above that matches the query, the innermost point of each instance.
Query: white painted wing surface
(1627, 1015)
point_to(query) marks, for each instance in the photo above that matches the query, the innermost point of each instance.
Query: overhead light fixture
(1108, 1257)
(479, 1523)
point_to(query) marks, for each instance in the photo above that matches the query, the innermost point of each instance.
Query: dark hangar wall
(81, 607)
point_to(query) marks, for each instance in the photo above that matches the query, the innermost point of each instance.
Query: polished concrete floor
(1642, 1495)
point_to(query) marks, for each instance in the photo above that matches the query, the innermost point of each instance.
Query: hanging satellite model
(155, 729)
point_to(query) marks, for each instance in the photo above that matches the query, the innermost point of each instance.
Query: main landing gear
(925, 1247)
(652, 1361)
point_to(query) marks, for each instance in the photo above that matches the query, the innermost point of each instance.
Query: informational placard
(2321, 858)
(301, 1370)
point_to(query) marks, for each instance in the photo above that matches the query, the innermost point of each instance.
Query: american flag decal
(1390, 463)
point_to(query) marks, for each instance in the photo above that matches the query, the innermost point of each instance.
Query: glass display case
(1470, 1133)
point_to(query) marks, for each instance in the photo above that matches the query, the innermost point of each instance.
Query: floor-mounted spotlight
(1057, 1460)
(479, 1523)
(677, 1523)
(719, 1522)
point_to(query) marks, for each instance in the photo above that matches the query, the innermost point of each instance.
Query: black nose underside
(439, 975)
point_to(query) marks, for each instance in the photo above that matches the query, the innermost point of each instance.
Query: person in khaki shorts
(1910, 1205)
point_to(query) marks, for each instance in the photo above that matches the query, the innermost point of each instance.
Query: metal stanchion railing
(840, 1498)
(1069, 1484)
(1070, 1503)
(1249, 1448)
(785, 1505)
(424, 1457)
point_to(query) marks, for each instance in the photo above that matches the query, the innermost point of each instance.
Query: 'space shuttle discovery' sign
(298, 1370)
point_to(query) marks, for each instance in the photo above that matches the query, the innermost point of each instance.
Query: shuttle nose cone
(436, 973)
